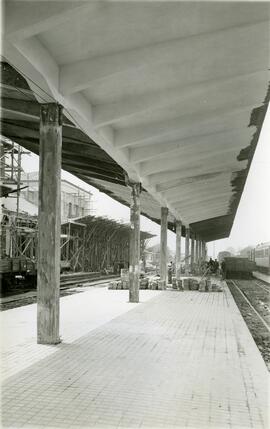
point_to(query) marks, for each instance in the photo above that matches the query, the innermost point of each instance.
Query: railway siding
(253, 303)
(70, 284)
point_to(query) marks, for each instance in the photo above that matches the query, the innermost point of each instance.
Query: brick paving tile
(177, 360)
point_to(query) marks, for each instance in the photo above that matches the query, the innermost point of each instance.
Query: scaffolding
(97, 244)
(18, 235)
(88, 243)
(11, 169)
(18, 230)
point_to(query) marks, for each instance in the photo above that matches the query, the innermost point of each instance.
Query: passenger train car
(261, 256)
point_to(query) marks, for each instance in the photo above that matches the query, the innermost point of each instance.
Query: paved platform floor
(261, 276)
(178, 359)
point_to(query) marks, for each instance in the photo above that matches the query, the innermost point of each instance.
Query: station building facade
(75, 201)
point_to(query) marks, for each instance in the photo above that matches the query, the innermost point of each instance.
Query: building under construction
(88, 243)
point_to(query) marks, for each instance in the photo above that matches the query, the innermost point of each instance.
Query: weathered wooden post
(187, 250)
(201, 251)
(134, 250)
(178, 225)
(2, 162)
(204, 251)
(197, 257)
(192, 253)
(49, 222)
(163, 247)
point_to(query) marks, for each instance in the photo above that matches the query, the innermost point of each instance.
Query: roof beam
(184, 126)
(144, 153)
(167, 164)
(24, 19)
(77, 76)
(210, 202)
(197, 178)
(110, 113)
(181, 200)
(175, 194)
(167, 177)
(211, 211)
(204, 214)
(203, 192)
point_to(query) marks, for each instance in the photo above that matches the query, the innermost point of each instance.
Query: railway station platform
(176, 359)
(261, 276)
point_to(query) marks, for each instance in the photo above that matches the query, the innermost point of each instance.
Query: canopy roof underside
(172, 93)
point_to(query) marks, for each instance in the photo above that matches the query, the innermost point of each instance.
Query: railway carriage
(261, 256)
(238, 268)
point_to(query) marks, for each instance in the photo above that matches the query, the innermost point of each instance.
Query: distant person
(170, 272)
(223, 269)
(215, 266)
(210, 265)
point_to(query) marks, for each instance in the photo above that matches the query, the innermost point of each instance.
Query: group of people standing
(213, 266)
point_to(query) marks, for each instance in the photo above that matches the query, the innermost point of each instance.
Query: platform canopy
(172, 93)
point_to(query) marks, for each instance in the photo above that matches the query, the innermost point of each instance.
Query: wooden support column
(178, 227)
(187, 250)
(163, 247)
(201, 253)
(49, 222)
(197, 251)
(2, 162)
(134, 251)
(192, 253)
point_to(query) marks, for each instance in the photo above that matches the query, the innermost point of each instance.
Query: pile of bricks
(118, 285)
(177, 284)
(193, 284)
(155, 283)
(207, 286)
(124, 284)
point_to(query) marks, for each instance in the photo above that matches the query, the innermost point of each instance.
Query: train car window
(259, 253)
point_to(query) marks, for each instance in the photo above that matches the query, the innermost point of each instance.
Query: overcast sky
(251, 224)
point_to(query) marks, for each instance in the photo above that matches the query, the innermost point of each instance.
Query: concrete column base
(162, 285)
(52, 342)
(179, 285)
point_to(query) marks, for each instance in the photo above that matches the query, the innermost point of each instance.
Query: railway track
(76, 278)
(251, 306)
(267, 289)
(252, 299)
(68, 285)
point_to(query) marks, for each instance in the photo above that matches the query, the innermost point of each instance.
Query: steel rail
(263, 287)
(251, 306)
